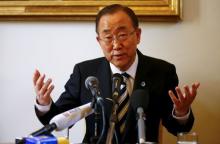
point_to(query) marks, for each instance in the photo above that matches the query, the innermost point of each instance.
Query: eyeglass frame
(113, 37)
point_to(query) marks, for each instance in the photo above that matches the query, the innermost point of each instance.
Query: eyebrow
(117, 29)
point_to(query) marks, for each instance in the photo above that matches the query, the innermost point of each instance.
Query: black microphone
(46, 130)
(117, 80)
(139, 102)
(92, 83)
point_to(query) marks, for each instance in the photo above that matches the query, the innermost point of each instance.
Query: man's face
(118, 39)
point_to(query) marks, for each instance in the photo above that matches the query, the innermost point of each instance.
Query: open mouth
(118, 56)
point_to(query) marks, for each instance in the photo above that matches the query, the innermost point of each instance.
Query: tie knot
(125, 75)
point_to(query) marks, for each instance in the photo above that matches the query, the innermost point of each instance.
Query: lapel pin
(143, 84)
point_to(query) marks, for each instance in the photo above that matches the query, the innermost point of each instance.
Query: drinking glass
(187, 138)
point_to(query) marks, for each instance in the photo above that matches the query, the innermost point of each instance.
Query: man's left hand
(183, 100)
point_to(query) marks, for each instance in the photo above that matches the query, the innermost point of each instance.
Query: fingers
(180, 102)
(189, 93)
(186, 90)
(39, 83)
(194, 88)
(48, 92)
(184, 98)
(36, 76)
(45, 98)
(180, 95)
(43, 89)
(173, 97)
(196, 85)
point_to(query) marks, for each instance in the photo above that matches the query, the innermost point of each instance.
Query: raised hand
(184, 99)
(43, 89)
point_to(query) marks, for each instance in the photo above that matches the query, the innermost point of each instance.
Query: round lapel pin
(143, 83)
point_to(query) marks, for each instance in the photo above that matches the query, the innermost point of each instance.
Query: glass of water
(187, 138)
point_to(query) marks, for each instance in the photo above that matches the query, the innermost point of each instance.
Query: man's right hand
(42, 89)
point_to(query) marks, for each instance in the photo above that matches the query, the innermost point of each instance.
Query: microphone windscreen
(139, 98)
(91, 81)
(116, 81)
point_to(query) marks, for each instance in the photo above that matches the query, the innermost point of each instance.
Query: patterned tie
(123, 101)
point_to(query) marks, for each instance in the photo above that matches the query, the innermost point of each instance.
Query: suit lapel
(104, 76)
(142, 81)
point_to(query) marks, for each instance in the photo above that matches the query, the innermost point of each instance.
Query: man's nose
(116, 44)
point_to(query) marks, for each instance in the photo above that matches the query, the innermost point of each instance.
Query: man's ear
(97, 38)
(138, 34)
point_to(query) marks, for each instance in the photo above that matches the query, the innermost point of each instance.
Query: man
(118, 34)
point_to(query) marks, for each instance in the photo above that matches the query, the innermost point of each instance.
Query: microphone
(92, 84)
(139, 102)
(70, 117)
(46, 130)
(65, 120)
(117, 80)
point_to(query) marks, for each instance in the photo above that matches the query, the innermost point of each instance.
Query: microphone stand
(92, 83)
(117, 79)
(94, 105)
(141, 125)
(113, 121)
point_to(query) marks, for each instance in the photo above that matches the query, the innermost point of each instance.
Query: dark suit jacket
(159, 77)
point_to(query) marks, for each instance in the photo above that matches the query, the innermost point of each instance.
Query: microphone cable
(100, 102)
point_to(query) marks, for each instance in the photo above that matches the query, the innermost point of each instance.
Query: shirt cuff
(182, 118)
(43, 109)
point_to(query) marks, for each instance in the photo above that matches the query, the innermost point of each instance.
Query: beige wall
(193, 45)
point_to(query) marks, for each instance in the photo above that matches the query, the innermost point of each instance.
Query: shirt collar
(131, 70)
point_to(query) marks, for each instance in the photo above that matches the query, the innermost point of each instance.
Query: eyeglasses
(120, 37)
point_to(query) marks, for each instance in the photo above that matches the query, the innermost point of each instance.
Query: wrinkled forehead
(118, 21)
